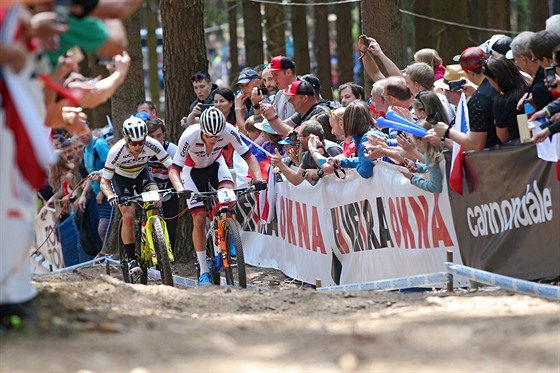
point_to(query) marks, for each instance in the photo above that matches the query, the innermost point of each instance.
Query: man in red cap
(301, 95)
(482, 130)
(283, 71)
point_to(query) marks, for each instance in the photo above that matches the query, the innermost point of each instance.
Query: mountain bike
(224, 249)
(152, 239)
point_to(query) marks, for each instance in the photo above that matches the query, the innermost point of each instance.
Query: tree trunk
(183, 54)
(301, 38)
(344, 44)
(275, 30)
(381, 20)
(252, 26)
(477, 17)
(501, 13)
(150, 14)
(232, 25)
(423, 27)
(539, 12)
(322, 49)
(456, 12)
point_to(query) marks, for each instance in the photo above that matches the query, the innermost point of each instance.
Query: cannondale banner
(508, 216)
(351, 230)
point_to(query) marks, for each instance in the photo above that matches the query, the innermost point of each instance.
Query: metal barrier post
(450, 281)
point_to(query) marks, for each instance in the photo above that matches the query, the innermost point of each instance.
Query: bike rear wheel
(236, 270)
(164, 264)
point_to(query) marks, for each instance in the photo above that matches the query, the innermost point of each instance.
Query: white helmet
(212, 122)
(134, 129)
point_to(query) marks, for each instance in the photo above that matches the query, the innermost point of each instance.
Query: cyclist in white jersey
(200, 151)
(124, 173)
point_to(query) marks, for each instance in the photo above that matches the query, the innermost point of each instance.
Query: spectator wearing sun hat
(452, 73)
(482, 131)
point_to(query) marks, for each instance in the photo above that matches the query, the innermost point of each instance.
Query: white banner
(353, 230)
(49, 256)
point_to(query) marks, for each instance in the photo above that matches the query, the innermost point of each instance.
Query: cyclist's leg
(197, 181)
(124, 186)
(223, 178)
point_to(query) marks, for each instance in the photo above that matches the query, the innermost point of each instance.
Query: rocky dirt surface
(93, 322)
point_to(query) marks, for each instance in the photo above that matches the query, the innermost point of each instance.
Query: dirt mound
(89, 321)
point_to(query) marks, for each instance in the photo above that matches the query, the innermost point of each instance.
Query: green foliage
(216, 12)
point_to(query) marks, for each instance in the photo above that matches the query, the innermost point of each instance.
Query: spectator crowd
(279, 112)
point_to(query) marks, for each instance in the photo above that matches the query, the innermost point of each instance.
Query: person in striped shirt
(125, 172)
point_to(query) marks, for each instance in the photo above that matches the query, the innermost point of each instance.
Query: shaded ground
(93, 322)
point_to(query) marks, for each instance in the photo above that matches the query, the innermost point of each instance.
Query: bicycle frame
(147, 248)
(219, 214)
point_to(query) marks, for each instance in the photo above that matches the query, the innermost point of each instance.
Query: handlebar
(128, 200)
(205, 196)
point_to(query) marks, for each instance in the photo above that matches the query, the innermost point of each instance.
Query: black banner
(507, 219)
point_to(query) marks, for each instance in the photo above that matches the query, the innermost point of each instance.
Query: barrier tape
(428, 280)
(509, 283)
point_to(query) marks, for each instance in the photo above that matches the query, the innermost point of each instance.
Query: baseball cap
(472, 58)
(300, 87)
(265, 126)
(246, 76)
(143, 115)
(452, 72)
(281, 63)
(310, 78)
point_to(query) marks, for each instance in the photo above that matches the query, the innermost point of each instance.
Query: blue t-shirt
(95, 155)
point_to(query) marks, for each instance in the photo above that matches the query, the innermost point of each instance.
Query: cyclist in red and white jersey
(200, 151)
(124, 173)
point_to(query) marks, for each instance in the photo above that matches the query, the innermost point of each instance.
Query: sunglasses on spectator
(534, 59)
(371, 105)
(333, 114)
(200, 76)
(136, 143)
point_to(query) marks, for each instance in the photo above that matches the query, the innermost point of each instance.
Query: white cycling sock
(201, 255)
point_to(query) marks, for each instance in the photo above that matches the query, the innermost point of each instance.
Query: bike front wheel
(234, 255)
(164, 264)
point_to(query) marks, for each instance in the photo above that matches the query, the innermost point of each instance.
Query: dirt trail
(94, 322)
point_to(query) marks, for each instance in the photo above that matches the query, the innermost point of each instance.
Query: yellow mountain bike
(152, 239)
(224, 250)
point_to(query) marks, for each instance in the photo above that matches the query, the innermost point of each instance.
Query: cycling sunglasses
(136, 143)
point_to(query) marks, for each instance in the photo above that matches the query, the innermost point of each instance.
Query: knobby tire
(231, 235)
(164, 264)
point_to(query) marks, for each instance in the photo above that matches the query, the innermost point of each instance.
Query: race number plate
(150, 196)
(226, 195)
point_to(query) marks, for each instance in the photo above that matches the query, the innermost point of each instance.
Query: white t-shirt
(284, 108)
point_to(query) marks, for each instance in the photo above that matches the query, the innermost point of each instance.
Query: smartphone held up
(550, 77)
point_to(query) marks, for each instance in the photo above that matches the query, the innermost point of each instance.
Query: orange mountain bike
(224, 250)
